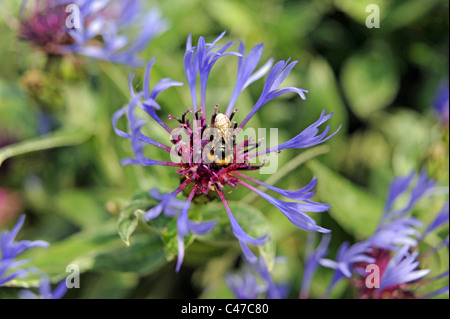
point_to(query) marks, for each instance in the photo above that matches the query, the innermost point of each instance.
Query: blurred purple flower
(245, 285)
(393, 247)
(312, 263)
(10, 249)
(254, 281)
(441, 103)
(102, 33)
(45, 291)
(347, 257)
(206, 171)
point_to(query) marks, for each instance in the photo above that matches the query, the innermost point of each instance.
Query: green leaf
(127, 223)
(409, 146)
(357, 9)
(82, 109)
(15, 108)
(167, 228)
(202, 252)
(324, 94)
(354, 209)
(131, 214)
(403, 13)
(232, 13)
(97, 249)
(144, 256)
(170, 239)
(109, 285)
(74, 205)
(9, 293)
(370, 80)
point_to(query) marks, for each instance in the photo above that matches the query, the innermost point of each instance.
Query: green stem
(117, 77)
(52, 140)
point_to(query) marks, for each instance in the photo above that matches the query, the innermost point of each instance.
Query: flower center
(209, 152)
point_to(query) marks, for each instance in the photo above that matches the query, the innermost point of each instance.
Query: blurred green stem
(52, 140)
(116, 76)
(290, 166)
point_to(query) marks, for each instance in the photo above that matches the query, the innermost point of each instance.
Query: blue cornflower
(99, 29)
(245, 285)
(393, 247)
(10, 249)
(254, 281)
(205, 166)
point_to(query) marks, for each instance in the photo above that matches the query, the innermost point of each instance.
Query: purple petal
(293, 210)
(303, 193)
(311, 264)
(307, 137)
(201, 228)
(440, 219)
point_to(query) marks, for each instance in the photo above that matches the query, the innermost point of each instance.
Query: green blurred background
(379, 82)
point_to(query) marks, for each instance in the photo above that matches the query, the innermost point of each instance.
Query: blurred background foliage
(380, 84)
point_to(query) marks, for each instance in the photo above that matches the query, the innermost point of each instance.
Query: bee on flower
(208, 151)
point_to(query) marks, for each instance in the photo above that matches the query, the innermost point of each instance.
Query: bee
(221, 154)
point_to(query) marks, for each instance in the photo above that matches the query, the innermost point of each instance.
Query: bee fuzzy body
(221, 155)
